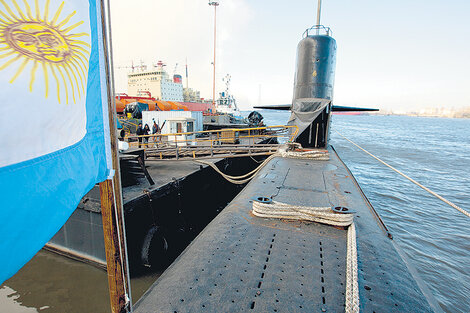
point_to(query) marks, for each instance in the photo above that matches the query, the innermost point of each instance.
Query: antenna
(187, 79)
(131, 67)
(318, 16)
(176, 67)
(215, 4)
(227, 79)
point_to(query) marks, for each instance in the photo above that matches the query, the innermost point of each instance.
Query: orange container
(120, 106)
(127, 101)
(163, 105)
(177, 106)
(174, 105)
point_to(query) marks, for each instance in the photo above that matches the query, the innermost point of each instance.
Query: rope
(309, 154)
(410, 179)
(282, 152)
(352, 289)
(238, 179)
(323, 215)
(296, 212)
(255, 160)
(294, 151)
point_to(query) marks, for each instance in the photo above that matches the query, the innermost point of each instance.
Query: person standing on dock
(146, 132)
(155, 130)
(139, 133)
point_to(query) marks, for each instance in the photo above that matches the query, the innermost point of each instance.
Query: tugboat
(227, 114)
(226, 104)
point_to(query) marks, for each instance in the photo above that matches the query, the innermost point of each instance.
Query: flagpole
(111, 195)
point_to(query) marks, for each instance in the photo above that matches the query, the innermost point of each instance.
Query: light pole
(215, 4)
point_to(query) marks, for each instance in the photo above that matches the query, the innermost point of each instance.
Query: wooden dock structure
(208, 152)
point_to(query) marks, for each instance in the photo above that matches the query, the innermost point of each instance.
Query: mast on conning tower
(318, 16)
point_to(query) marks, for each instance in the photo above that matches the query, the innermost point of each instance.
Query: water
(434, 236)
(434, 152)
(50, 283)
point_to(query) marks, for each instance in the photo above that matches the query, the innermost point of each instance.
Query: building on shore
(190, 95)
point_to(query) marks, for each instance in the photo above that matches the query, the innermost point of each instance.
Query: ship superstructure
(226, 104)
(156, 81)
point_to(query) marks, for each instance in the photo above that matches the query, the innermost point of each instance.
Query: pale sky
(391, 54)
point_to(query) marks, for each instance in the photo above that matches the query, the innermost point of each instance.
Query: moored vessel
(301, 236)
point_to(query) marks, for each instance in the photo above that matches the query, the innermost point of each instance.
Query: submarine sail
(313, 86)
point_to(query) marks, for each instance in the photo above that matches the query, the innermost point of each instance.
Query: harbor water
(434, 236)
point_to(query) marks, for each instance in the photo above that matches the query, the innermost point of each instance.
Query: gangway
(223, 143)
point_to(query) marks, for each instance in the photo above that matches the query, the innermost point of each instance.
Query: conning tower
(313, 86)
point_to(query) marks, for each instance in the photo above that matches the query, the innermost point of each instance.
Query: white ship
(156, 81)
(226, 104)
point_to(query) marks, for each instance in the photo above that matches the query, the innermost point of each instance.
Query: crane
(131, 67)
(174, 71)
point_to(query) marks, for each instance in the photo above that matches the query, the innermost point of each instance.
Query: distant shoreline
(463, 116)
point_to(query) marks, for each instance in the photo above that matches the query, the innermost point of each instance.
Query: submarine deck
(162, 174)
(241, 262)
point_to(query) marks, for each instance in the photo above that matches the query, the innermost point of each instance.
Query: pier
(166, 204)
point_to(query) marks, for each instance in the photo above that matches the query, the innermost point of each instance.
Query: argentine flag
(54, 144)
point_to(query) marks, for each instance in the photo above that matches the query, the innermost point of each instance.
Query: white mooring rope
(284, 151)
(238, 179)
(409, 178)
(325, 215)
(352, 289)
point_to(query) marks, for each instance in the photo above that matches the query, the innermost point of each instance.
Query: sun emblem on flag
(49, 43)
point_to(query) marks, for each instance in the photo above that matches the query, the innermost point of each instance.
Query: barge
(162, 214)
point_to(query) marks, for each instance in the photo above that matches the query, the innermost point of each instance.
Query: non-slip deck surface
(244, 263)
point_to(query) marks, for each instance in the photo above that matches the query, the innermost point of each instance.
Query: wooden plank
(111, 195)
(114, 261)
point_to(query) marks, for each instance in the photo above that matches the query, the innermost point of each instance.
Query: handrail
(317, 28)
(218, 134)
(124, 121)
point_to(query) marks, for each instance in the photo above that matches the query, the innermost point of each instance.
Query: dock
(168, 201)
(81, 238)
(241, 262)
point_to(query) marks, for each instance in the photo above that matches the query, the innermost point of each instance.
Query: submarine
(301, 236)
(313, 88)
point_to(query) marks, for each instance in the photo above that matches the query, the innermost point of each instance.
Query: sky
(401, 55)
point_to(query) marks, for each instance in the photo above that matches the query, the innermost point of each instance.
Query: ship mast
(187, 79)
(318, 16)
(227, 79)
(215, 4)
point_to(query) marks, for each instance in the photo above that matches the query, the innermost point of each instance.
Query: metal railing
(127, 125)
(212, 138)
(317, 29)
